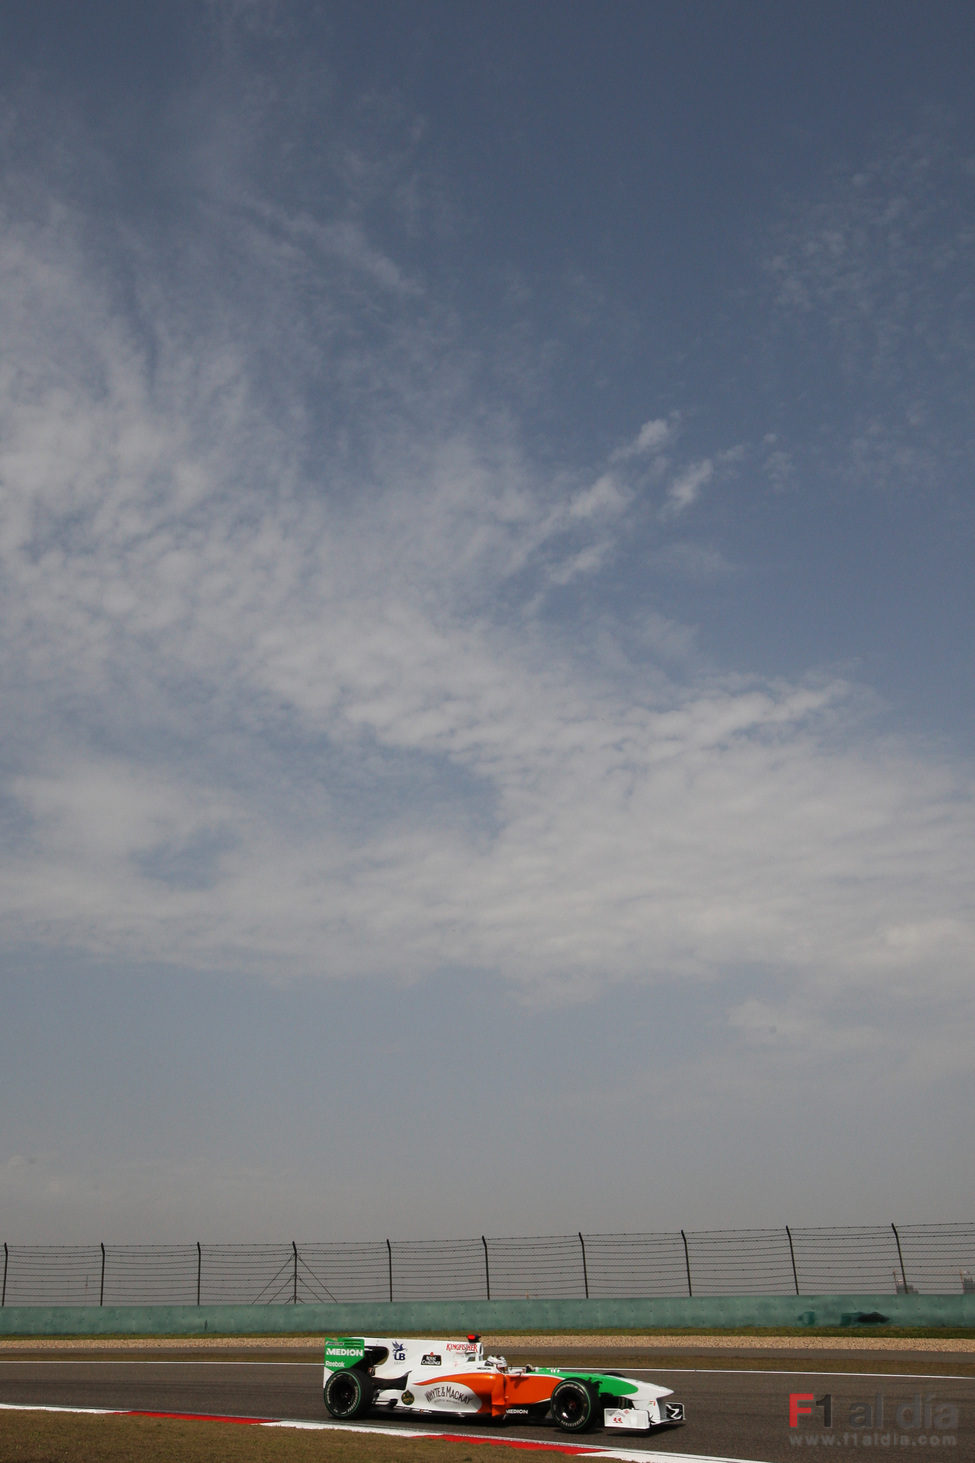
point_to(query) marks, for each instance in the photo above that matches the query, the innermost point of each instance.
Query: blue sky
(486, 666)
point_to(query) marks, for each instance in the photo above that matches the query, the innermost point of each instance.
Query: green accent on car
(609, 1386)
(344, 1352)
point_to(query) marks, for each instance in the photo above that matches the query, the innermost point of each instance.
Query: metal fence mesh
(428, 1270)
(719, 1258)
(345, 1272)
(145, 1275)
(867, 1260)
(635, 1264)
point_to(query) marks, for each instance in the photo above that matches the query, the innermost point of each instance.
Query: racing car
(455, 1376)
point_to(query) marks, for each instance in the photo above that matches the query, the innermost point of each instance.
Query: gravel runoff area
(521, 1342)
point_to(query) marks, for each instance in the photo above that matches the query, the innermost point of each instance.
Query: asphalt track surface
(732, 1413)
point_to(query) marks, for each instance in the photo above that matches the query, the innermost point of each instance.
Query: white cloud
(290, 236)
(685, 489)
(588, 561)
(337, 654)
(282, 700)
(694, 561)
(651, 439)
(873, 274)
(606, 496)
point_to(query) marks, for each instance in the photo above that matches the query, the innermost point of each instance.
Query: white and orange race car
(454, 1376)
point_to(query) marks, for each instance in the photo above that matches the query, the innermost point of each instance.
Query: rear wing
(386, 1355)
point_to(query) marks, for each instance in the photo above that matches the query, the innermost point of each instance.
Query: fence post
(294, 1295)
(900, 1256)
(487, 1268)
(389, 1261)
(3, 1296)
(101, 1287)
(585, 1271)
(687, 1263)
(199, 1270)
(792, 1256)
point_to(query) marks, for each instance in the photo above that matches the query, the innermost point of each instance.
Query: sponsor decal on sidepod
(450, 1392)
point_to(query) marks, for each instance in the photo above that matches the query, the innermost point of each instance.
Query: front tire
(349, 1394)
(575, 1405)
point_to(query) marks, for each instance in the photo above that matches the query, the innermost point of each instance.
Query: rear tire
(349, 1393)
(575, 1405)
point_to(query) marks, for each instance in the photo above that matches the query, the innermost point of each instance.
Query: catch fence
(934, 1259)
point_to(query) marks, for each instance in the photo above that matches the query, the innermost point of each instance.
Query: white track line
(690, 1371)
(141, 1361)
(748, 1371)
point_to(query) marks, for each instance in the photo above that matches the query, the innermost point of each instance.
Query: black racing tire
(575, 1405)
(349, 1393)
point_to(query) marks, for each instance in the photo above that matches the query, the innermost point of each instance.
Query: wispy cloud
(873, 274)
(686, 487)
(446, 626)
(653, 437)
(281, 696)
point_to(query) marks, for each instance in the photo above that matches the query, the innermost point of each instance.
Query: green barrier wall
(459, 1317)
